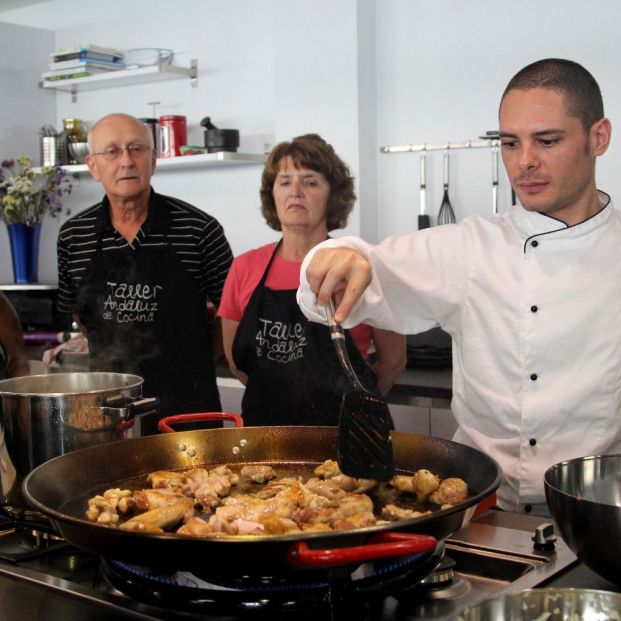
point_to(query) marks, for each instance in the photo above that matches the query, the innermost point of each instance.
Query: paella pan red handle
(164, 423)
(383, 545)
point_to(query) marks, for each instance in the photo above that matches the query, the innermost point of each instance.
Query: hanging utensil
(364, 446)
(423, 218)
(494, 179)
(446, 215)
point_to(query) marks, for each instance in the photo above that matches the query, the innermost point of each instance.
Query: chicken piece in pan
(258, 473)
(103, 509)
(450, 492)
(156, 520)
(423, 483)
(393, 513)
(329, 470)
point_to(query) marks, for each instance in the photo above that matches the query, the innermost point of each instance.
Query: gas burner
(444, 582)
(27, 538)
(303, 593)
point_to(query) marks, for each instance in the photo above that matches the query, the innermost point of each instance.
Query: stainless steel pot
(549, 604)
(584, 497)
(44, 416)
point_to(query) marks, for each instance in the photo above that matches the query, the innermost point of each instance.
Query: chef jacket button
(532, 441)
(528, 508)
(534, 243)
(534, 309)
(533, 376)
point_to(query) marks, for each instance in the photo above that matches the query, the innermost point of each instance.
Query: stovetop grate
(300, 592)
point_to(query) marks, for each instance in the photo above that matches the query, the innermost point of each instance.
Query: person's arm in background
(390, 352)
(12, 339)
(229, 329)
(81, 327)
(217, 259)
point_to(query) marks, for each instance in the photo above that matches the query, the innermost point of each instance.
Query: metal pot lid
(63, 384)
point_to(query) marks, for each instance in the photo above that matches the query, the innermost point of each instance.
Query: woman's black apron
(143, 316)
(294, 376)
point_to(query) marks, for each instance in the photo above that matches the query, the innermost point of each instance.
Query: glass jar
(74, 131)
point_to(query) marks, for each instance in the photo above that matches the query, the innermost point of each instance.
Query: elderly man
(138, 269)
(532, 297)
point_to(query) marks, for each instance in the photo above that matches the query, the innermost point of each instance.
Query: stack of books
(83, 60)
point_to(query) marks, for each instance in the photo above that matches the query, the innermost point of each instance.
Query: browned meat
(202, 502)
(450, 492)
(258, 473)
(156, 520)
(393, 513)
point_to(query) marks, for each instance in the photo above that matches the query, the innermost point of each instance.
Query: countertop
(419, 387)
(423, 388)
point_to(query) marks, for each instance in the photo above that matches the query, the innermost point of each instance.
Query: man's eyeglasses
(133, 150)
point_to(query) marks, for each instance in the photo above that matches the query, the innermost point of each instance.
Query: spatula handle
(338, 339)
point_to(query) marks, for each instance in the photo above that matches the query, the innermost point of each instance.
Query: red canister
(173, 134)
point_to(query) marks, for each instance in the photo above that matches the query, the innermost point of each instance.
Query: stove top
(493, 554)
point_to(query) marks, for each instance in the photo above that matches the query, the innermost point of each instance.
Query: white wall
(442, 66)
(262, 70)
(23, 107)
(363, 73)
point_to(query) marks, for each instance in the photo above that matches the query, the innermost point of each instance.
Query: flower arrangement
(26, 197)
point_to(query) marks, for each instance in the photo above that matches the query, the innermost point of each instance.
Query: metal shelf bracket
(194, 72)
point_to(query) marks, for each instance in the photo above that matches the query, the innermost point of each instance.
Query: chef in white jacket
(532, 297)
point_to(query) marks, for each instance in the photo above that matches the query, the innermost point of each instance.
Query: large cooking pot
(584, 497)
(60, 489)
(43, 416)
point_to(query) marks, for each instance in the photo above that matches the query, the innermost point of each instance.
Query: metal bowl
(78, 151)
(584, 498)
(548, 604)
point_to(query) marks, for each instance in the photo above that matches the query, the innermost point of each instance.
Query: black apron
(294, 376)
(143, 316)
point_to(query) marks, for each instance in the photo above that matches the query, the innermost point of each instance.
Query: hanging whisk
(446, 215)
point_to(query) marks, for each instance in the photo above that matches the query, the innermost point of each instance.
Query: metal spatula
(364, 447)
(423, 217)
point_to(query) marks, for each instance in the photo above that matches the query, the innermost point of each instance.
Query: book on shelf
(87, 62)
(86, 49)
(77, 72)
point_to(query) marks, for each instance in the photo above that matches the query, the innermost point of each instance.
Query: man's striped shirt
(197, 239)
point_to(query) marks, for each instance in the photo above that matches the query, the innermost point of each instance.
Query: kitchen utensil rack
(490, 140)
(482, 143)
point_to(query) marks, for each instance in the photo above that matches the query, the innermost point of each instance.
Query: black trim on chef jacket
(535, 243)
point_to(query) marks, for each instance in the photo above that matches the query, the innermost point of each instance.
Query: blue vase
(24, 251)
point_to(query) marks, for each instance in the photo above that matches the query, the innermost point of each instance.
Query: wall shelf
(124, 77)
(206, 160)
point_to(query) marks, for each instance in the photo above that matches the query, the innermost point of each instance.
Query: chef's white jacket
(534, 309)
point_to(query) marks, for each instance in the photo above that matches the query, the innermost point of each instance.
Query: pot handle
(164, 423)
(384, 545)
(146, 405)
(127, 413)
